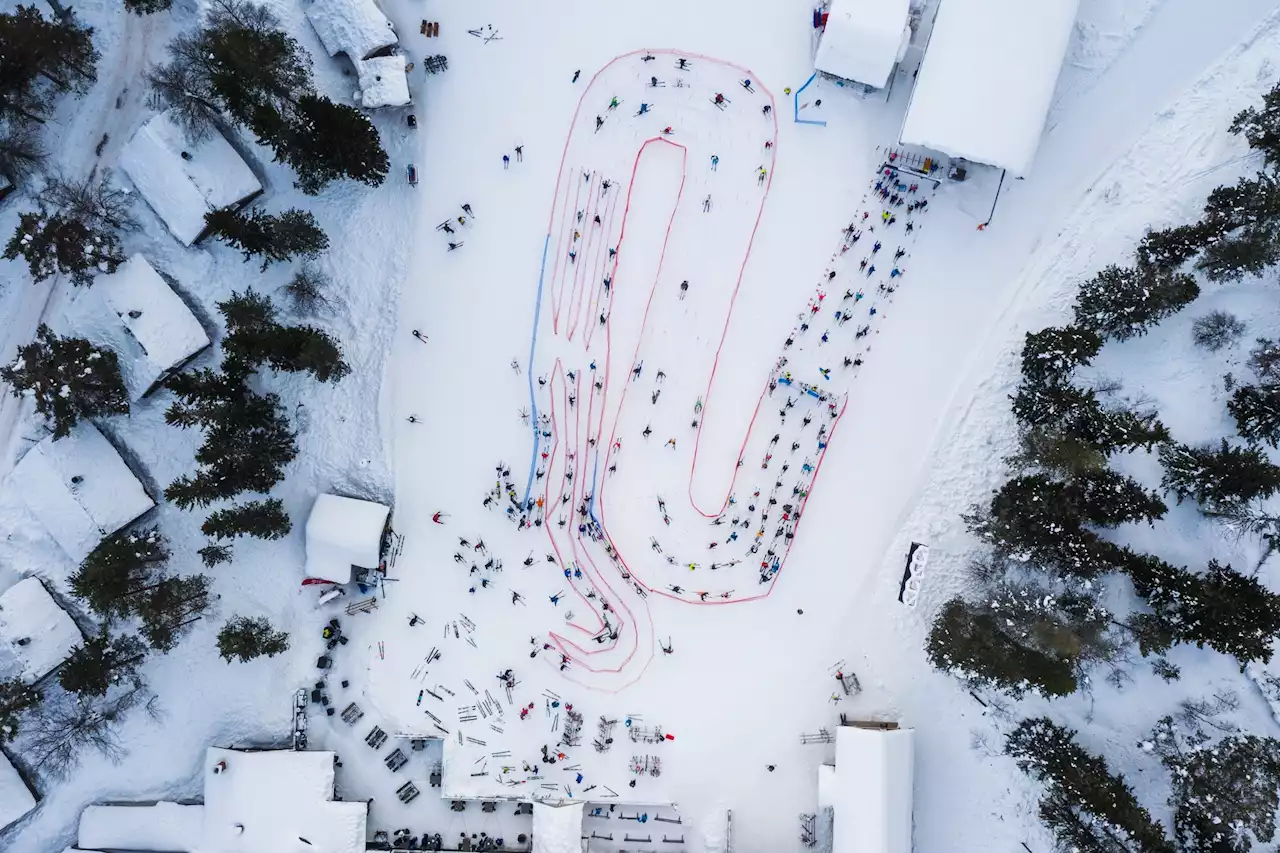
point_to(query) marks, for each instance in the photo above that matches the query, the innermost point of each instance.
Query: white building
(864, 40)
(354, 27)
(343, 533)
(870, 788)
(987, 79)
(184, 180)
(384, 82)
(16, 798)
(557, 828)
(254, 802)
(36, 634)
(134, 312)
(79, 489)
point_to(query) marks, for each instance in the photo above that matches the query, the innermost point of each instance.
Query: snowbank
(79, 488)
(135, 313)
(15, 797)
(873, 790)
(341, 533)
(864, 40)
(557, 828)
(384, 82)
(36, 634)
(986, 82)
(158, 828)
(182, 180)
(354, 27)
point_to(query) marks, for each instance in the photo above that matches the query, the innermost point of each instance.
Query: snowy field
(653, 506)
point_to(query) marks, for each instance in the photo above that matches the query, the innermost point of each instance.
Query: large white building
(343, 533)
(987, 80)
(36, 634)
(864, 40)
(870, 788)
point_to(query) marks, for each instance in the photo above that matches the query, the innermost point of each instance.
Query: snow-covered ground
(1135, 137)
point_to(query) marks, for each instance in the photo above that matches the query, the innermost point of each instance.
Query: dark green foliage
(1247, 252)
(1051, 354)
(68, 378)
(55, 244)
(1264, 360)
(244, 639)
(260, 519)
(255, 338)
(293, 233)
(1122, 302)
(1219, 477)
(1223, 791)
(1084, 804)
(147, 7)
(168, 609)
(21, 152)
(1246, 217)
(35, 51)
(1261, 126)
(101, 661)
(123, 566)
(1070, 412)
(1256, 409)
(976, 645)
(215, 554)
(15, 697)
(1107, 499)
(1216, 330)
(1170, 248)
(324, 142)
(1062, 455)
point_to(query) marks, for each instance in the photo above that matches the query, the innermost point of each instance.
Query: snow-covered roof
(277, 802)
(384, 82)
(159, 828)
(15, 797)
(987, 79)
(557, 828)
(341, 533)
(864, 40)
(79, 488)
(182, 189)
(135, 313)
(354, 27)
(873, 790)
(28, 613)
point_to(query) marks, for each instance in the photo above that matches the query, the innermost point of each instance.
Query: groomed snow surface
(864, 40)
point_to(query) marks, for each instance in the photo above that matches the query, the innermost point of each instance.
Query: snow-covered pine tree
(100, 662)
(260, 519)
(255, 338)
(291, 234)
(54, 244)
(1107, 499)
(1256, 409)
(324, 142)
(1248, 251)
(147, 7)
(168, 610)
(1225, 794)
(215, 554)
(1051, 354)
(1072, 412)
(123, 567)
(60, 51)
(1264, 360)
(244, 639)
(1122, 302)
(68, 379)
(16, 696)
(1218, 477)
(1260, 126)
(1170, 248)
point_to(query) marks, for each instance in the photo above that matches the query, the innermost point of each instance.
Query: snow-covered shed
(342, 533)
(557, 827)
(16, 798)
(354, 27)
(134, 312)
(987, 80)
(384, 81)
(149, 828)
(36, 634)
(79, 489)
(870, 788)
(183, 180)
(864, 39)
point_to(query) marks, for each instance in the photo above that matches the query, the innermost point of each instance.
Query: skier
(684, 288)
(767, 109)
(715, 161)
(719, 100)
(746, 84)
(683, 64)
(453, 246)
(667, 131)
(763, 173)
(575, 75)
(467, 209)
(519, 153)
(437, 518)
(644, 108)
(871, 270)
(613, 103)
(599, 123)
(419, 336)
(876, 247)
(506, 161)
(895, 272)
(653, 82)
(706, 204)
(573, 256)
(413, 419)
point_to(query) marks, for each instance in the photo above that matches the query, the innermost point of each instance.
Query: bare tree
(95, 203)
(66, 725)
(306, 289)
(21, 153)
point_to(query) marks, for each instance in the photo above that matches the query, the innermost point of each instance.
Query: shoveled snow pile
(341, 533)
(182, 189)
(15, 797)
(557, 828)
(36, 634)
(383, 81)
(354, 27)
(987, 80)
(79, 488)
(864, 40)
(135, 313)
(162, 827)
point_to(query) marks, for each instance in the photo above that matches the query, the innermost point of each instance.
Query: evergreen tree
(1055, 453)
(1261, 126)
(1225, 794)
(31, 47)
(260, 519)
(68, 378)
(1170, 248)
(16, 696)
(100, 662)
(324, 142)
(244, 639)
(1084, 804)
(122, 567)
(1250, 203)
(1218, 477)
(1122, 302)
(53, 244)
(1264, 360)
(1051, 354)
(293, 233)
(1249, 251)
(254, 338)
(1071, 412)
(1256, 409)
(147, 7)
(215, 554)
(168, 610)
(1107, 499)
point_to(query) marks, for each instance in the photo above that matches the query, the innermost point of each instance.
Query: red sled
(671, 737)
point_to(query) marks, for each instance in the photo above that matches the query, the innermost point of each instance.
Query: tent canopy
(864, 40)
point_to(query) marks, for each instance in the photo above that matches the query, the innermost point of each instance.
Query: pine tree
(1122, 302)
(121, 568)
(1261, 126)
(168, 610)
(59, 51)
(1249, 251)
(53, 244)
(147, 7)
(254, 338)
(1216, 330)
(244, 639)
(1077, 413)
(1219, 477)
(1264, 360)
(1107, 499)
(293, 233)
(1088, 807)
(1051, 354)
(215, 554)
(68, 379)
(15, 697)
(1225, 793)
(324, 142)
(1057, 454)
(260, 519)
(1256, 409)
(100, 662)
(1170, 248)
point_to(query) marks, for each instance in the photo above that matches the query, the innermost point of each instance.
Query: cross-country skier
(419, 336)
(715, 161)
(599, 123)
(506, 161)
(575, 76)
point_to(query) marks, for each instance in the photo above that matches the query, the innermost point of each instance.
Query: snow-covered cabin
(987, 80)
(870, 788)
(134, 312)
(864, 40)
(343, 533)
(36, 634)
(277, 801)
(384, 81)
(183, 180)
(16, 798)
(79, 489)
(354, 27)
(557, 828)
